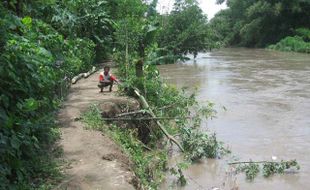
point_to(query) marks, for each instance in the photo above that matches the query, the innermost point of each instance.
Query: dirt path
(85, 149)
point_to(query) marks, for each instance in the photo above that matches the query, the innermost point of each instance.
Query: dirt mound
(114, 106)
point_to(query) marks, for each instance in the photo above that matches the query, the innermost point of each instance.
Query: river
(267, 99)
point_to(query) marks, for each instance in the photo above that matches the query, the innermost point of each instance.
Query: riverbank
(87, 151)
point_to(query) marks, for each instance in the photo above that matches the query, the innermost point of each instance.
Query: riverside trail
(86, 150)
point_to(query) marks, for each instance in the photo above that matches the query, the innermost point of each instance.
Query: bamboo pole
(131, 113)
(146, 106)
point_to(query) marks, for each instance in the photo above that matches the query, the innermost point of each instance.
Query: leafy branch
(252, 168)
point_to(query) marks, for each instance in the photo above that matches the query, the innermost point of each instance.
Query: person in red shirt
(106, 79)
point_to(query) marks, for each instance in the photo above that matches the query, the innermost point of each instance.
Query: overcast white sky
(209, 7)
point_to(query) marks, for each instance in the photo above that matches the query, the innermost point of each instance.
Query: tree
(185, 29)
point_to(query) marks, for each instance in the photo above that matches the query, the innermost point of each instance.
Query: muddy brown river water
(267, 97)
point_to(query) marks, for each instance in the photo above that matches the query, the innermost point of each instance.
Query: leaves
(27, 21)
(251, 170)
(31, 104)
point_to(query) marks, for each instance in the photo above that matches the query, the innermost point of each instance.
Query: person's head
(106, 69)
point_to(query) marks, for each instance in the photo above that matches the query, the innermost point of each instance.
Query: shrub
(29, 73)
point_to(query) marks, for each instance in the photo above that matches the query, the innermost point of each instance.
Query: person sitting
(106, 79)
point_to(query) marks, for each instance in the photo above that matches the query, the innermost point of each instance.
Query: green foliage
(199, 145)
(185, 29)
(257, 23)
(304, 33)
(86, 19)
(220, 29)
(35, 59)
(93, 119)
(252, 169)
(299, 43)
(270, 168)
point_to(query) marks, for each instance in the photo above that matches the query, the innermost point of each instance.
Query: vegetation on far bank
(259, 23)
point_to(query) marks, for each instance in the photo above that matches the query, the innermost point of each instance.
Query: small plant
(93, 119)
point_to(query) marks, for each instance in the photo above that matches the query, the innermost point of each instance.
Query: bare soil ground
(96, 162)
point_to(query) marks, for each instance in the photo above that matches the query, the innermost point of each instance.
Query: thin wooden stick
(146, 106)
(141, 118)
(248, 162)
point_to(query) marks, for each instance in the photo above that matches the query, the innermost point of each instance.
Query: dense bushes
(298, 43)
(34, 58)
